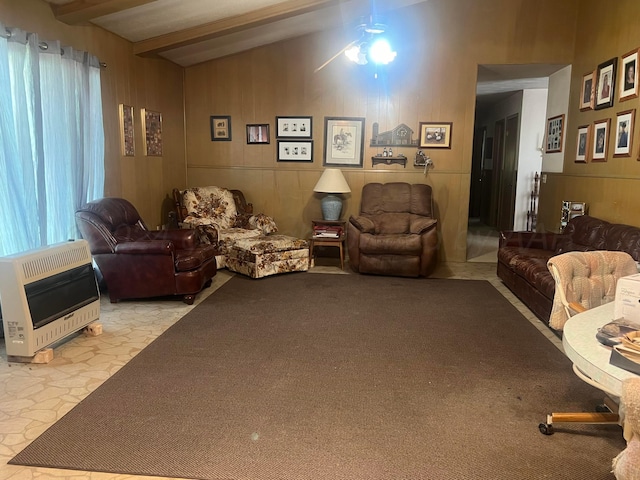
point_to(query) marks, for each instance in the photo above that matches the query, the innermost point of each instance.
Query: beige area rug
(330, 377)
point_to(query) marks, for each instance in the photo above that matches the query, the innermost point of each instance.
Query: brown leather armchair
(395, 232)
(138, 263)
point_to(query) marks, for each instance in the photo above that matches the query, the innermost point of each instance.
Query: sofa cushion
(391, 223)
(391, 244)
(586, 233)
(530, 264)
(215, 204)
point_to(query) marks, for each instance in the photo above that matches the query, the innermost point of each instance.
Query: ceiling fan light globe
(353, 52)
(380, 52)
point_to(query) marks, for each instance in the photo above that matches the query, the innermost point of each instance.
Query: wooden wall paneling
(432, 82)
(609, 188)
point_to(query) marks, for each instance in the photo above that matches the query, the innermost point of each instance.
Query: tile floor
(33, 397)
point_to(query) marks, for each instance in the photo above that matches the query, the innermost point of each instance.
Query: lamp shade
(332, 181)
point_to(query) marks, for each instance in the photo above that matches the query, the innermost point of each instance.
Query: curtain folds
(51, 139)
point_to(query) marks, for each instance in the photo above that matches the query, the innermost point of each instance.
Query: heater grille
(72, 323)
(55, 260)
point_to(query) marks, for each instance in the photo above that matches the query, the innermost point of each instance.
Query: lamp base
(331, 207)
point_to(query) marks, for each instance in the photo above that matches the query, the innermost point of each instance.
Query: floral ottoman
(265, 255)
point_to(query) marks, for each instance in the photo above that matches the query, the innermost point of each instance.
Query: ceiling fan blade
(334, 57)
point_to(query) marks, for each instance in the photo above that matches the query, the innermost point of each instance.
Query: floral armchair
(221, 216)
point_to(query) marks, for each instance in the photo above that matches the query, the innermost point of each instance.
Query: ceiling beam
(225, 26)
(82, 11)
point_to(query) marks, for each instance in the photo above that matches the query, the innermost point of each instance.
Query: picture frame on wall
(294, 127)
(623, 137)
(220, 128)
(127, 140)
(583, 144)
(435, 134)
(295, 150)
(152, 128)
(555, 134)
(600, 140)
(629, 75)
(257, 133)
(605, 83)
(343, 141)
(587, 91)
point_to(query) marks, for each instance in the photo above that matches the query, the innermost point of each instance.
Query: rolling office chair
(585, 280)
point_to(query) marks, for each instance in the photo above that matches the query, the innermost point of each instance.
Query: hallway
(482, 242)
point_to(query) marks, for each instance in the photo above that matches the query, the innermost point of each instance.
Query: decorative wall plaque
(401, 136)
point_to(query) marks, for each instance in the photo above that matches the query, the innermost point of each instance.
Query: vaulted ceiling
(188, 32)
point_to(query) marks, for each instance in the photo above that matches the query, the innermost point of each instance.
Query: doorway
(509, 114)
(482, 239)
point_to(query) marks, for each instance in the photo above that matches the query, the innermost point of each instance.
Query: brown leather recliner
(138, 263)
(395, 232)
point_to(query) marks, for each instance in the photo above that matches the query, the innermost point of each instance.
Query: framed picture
(220, 128)
(126, 130)
(152, 128)
(343, 141)
(587, 91)
(600, 140)
(624, 133)
(629, 75)
(295, 150)
(435, 134)
(605, 83)
(293, 127)
(583, 144)
(257, 133)
(555, 134)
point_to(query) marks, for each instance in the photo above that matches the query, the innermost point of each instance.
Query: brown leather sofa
(139, 263)
(395, 232)
(523, 256)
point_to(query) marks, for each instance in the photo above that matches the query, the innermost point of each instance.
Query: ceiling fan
(370, 44)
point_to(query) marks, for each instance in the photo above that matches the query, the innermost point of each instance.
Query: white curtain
(51, 139)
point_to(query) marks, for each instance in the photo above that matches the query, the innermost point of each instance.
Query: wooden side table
(339, 242)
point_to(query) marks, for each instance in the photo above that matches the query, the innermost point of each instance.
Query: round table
(588, 354)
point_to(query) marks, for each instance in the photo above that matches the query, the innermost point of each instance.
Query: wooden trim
(229, 25)
(82, 11)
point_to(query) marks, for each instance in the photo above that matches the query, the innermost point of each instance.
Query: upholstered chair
(395, 231)
(136, 262)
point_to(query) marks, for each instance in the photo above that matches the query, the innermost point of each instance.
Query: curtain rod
(45, 46)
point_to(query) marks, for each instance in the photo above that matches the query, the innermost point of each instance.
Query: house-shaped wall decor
(401, 136)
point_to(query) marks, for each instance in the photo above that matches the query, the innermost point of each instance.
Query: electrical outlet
(544, 178)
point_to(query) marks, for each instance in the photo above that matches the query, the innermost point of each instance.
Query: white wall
(557, 104)
(532, 129)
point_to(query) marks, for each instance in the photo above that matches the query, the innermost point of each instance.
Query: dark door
(486, 180)
(475, 194)
(509, 171)
(496, 172)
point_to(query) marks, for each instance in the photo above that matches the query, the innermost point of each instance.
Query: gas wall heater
(47, 294)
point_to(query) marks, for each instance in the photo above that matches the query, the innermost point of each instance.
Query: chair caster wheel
(546, 428)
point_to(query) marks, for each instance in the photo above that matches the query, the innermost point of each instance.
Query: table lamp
(332, 181)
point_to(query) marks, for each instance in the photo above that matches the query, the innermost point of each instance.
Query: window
(51, 139)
